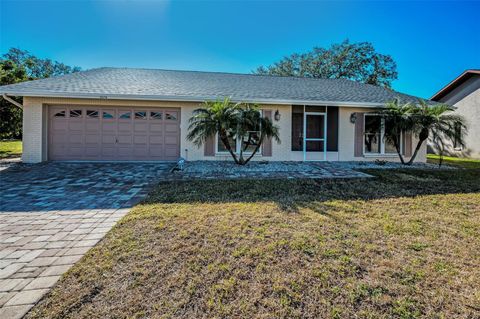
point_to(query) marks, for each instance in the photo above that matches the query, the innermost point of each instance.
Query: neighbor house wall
(466, 98)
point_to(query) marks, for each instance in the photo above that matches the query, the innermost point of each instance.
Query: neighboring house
(464, 94)
(111, 114)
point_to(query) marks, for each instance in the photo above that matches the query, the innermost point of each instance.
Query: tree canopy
(17, 66)
(354, 61)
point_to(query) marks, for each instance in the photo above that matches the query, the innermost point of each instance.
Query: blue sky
(432, 42)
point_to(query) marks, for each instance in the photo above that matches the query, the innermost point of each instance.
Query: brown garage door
(113, 133)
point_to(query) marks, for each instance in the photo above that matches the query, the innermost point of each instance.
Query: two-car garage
(100, 133)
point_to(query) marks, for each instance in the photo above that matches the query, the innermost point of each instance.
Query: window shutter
(407, 144)
(267, 143)
(358, 143)
(210, 146)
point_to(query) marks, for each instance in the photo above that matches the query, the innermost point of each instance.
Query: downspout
(9, 99)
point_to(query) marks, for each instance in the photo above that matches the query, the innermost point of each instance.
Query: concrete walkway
(52, 214)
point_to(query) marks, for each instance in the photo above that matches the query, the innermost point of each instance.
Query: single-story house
(123, 114)
(464, 94)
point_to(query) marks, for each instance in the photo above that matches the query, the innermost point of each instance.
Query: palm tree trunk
(256, 149)
(421, 138)
(226, 143)
(398, 149)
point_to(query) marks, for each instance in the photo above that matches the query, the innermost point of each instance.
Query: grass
(405, 244)
(455, 161)
(10, 148)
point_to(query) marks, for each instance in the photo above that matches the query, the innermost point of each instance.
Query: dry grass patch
(398, 246)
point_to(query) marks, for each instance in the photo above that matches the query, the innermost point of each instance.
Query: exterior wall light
(353, 117)
(277, 116)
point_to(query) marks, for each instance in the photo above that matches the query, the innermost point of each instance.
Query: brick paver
(52, 214)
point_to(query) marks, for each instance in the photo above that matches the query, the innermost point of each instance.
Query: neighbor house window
(374, 136)
(457, 138)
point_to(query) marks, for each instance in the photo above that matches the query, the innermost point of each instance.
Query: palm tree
(397, 120)
(436, 122)
(238, 121)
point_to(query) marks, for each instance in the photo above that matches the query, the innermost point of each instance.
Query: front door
(315, 132)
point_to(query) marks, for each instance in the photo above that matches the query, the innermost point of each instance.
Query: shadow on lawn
(294, 193)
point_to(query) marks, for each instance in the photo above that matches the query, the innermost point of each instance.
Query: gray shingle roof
(199, 86)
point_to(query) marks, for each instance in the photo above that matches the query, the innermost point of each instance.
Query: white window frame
(382, 139)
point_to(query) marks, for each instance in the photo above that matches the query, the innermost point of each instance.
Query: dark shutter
(332, 129)
(359, 127)
(267, 144)
(210, 146)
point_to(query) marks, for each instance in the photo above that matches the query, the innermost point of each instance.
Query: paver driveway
(52, 214)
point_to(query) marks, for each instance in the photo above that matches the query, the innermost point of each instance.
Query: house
(464, 94)
(122, 114)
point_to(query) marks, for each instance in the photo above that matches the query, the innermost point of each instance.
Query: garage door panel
(75, 138)
(75, 151)
(109, 139)
(140, 139)
(156, 139)
(109, 127)
(125, 139)
(171, 128)
(125, 127)
(171, 140)
(156, 127)
(75, 126)
(96, 133)
(59, 125)
(92, 150)
(92, 139)
(140, 127)
(92, 126)
(157, 152)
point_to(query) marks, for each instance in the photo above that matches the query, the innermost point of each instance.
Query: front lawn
(405, 244)
(10, 149)
(454, 161)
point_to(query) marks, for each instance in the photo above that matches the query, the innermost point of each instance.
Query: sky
(432, 42)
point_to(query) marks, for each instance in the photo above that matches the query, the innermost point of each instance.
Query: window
(59, 114)
(374, 136)
(75, 113)
(92, 114)
(156, 115)
(107, 115)
(125, 115)
(140, 115)
(457, 137)
(171, 116)
(247, 145)
(221, 148)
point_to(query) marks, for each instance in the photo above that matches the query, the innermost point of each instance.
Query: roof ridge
(222, 72)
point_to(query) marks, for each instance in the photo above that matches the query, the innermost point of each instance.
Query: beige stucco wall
(35, 128)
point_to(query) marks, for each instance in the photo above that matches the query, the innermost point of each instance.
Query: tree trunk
(226, 143)
(255, 150)
(422, 137)
(398, 149)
